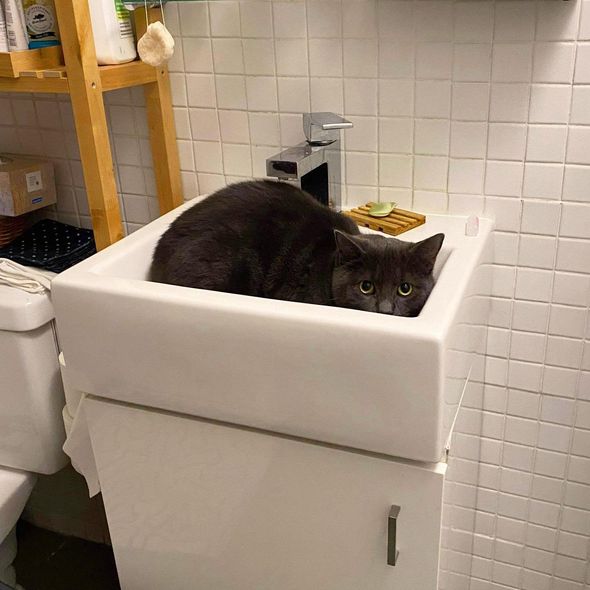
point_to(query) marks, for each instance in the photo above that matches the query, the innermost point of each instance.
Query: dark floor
(49, 561)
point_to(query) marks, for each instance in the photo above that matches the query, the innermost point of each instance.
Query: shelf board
(134, 73)
(52, 80)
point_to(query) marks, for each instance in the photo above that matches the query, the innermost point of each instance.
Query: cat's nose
(385, 307)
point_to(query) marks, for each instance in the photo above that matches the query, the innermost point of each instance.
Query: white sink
(368, 381)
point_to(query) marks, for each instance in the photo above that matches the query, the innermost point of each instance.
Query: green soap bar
(381, 209)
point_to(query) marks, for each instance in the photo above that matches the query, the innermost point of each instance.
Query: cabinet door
(199, 505)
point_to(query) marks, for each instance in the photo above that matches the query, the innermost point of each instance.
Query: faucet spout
(314, 165)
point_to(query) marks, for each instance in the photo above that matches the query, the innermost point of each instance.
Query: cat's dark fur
(273, 240)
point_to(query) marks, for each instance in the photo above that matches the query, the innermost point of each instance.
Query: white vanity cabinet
(202, 505)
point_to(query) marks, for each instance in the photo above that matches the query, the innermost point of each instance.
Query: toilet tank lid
(21, 311)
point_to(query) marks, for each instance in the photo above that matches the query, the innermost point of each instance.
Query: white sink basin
(369, 381)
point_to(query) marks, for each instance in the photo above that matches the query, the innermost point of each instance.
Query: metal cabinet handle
(392, 552)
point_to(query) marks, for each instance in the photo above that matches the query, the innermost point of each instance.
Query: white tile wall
(460, 106)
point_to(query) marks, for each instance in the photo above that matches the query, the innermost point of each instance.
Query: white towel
(78, 447)
(31, 280)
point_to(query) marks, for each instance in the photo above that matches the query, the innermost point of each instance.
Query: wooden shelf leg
(90, 118)
(162, 129)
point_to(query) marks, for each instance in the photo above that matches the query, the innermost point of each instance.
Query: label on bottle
(40, 20)
(124, 18)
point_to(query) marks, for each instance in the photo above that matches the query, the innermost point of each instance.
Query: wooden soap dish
(397, 222)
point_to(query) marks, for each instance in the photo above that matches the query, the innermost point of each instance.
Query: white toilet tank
(31, 392)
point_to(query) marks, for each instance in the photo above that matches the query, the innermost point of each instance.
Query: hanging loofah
(156, 45)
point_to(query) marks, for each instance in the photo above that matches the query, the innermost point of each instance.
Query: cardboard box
(26, 184)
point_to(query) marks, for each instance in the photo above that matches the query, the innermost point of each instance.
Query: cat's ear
(427, 250)
(347, 247)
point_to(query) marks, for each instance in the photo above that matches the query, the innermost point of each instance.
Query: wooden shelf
(134, 73)
(86, 82)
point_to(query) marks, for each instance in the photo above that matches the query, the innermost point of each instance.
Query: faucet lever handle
(323, 128)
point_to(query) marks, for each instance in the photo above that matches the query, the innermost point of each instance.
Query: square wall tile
(567, 321)
(200, 90)
(433, 99)
(194, 19)
(363, 136)
(554, 62)
(466, 176)
(472, 62)
(540, 218)
(537, 251)
(473, 21)
(361, 168)
(395, 170)
(585, 21)
(289, 19)
(468, 140)
(512, 62)
(430, 201)
(259, 57)
(396, 58)
(575, 221)
(546, 143)
(324, 19)
(578, 145)
(550, 103)
(505, 211)
(327, 94)
(264, 129)
(582, 71)
(396, 135)
(227, 56)
(542, 181)
(225, 18)
(294, 95)
(533, 284)
(506, 141)
(256, 18)
(234, 126)
(503, 178)
(231, 92)
(360, 58)
(291, 57)
(325, 57)
(434, 60)
(576, 183)
(208, 156)
(433, 20)
(573, 255)
(430, 172)
(237, 160)
(515, 21)
(556, 21)
(396, 98)
(470, 101)
(571, 289)
(432, 136)
(509, 102)
(359, 18)
(360, 96)
(262, 93)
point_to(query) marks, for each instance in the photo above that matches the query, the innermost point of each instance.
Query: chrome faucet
(314, 165)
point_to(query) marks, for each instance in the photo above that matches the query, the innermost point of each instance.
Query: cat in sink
(271, 239)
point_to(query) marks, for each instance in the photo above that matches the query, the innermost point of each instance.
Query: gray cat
(271, 239)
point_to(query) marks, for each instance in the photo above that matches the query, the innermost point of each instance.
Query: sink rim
(432, 322)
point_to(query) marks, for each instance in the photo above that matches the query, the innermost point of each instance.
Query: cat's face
(385, 275)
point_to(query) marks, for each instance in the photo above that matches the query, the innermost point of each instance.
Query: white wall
(459, 106)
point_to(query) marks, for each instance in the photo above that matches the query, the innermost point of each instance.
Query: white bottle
(16, 29)
(113, 33)
(3, 35)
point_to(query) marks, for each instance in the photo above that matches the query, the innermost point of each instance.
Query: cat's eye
(367, 287)
(405, 289)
